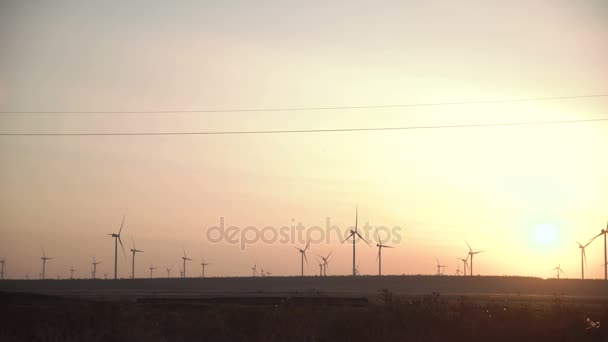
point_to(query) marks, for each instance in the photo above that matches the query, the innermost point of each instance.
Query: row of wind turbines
(323, 262)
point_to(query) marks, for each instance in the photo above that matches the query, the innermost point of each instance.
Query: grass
(388, 317)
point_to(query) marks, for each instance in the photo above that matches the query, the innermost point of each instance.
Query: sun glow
(545, 234)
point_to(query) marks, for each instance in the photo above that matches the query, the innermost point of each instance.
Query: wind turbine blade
(43, 254)
(307, 245)
(585, 257)
(470, 249)
(378, 236)
(378, 255)
(348, 237)
(305, 258)
(356, 216)
(437, 261)
(328, 255)
(122, 224)
(359, 235)
(121, 246)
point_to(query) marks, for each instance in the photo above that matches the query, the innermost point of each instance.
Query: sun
(545, 234)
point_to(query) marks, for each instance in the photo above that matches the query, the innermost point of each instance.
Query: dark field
(280, 310)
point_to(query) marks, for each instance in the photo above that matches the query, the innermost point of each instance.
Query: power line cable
(334, 130)
(292, 109)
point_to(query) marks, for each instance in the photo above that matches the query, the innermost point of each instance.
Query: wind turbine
(134, 251)
(152, 268)
(2, 261)
(117, 239)
(466, 264)
(185, 258)
(320, 267)
(357, 270)
(303, 255)
(604, 232)
(325, 262)
(72, 272)
(262, 272)
(471, 254)
(583, 257)
(439, 267)
(255, 270)
(168, 269)
(558, 270)
(44, 259)
(354, 234)
(379, 257)
(95, 263)
(203, 265)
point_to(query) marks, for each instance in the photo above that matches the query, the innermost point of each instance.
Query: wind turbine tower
(583, 257)
(134, 251)
(303, 255)
(152, 268)
(117, 240)
(95, 263)
(379, 257)
(2, 262)
(604, 232)
(203, 265)
(558, 270)
(44, 259)
(354, 234)
(185, 258)
(471, 254)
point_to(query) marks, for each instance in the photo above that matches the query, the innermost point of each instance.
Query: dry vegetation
(388, 317)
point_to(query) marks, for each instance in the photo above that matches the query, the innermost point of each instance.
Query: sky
(523, 194)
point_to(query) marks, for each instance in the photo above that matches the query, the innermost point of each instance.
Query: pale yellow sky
(491, 186)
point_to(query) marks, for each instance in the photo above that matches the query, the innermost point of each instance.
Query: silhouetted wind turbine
(583, 257)
(255, 270)
(185, 258)
(168, 269)
(152, 268)
(44, 259)
(379, 256)
(134, 251)
(320, 267)
(203, 265)
(471, 254)
(354, 234)
(262, 272)
(2, 262)
(117, 240)
(95, 263)
(303, 255)
(325, 262)
(558, 270)
(439, 267)
(604, 232)
(466, 264)
(72, 272)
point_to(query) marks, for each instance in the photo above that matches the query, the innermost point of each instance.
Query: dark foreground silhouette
(314, 317)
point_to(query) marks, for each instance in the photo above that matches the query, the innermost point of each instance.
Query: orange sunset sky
(523, 194)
